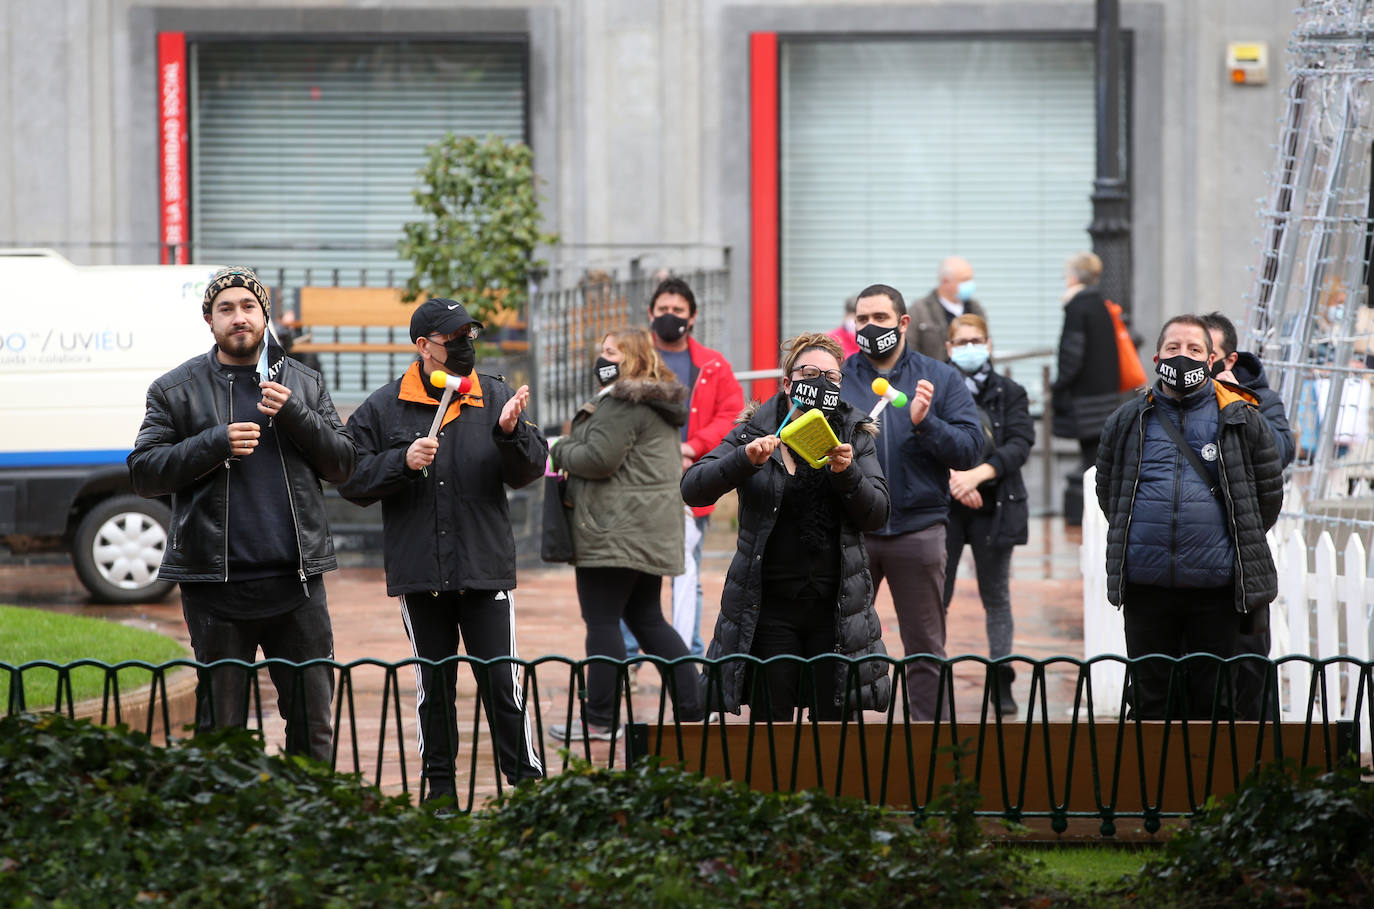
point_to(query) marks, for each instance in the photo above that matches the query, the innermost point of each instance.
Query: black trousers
(485, 621)
(607, 595)
(304, 696)
(804, 628)
(1176, 623)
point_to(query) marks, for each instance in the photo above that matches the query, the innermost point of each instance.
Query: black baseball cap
(439, 316)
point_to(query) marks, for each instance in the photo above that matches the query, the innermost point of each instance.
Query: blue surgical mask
(966, 289)
(970, 357)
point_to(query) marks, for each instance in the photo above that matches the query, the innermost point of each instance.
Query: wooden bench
(1047, 772)
(373, 311)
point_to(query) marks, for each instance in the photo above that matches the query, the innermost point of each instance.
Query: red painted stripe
(173, 159)
(763, 173)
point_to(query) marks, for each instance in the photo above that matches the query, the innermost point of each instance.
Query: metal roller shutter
(897, 153)
(304, 154)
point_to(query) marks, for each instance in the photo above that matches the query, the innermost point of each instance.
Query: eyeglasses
(967, 341)
(470, 332)
(814, 372)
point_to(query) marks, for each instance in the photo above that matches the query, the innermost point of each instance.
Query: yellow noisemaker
(810, 436)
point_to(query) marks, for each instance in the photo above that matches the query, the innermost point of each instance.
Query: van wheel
(118, 549)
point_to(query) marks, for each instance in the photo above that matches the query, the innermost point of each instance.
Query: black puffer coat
(1088, 379)
(1251, 486)
(864, 504)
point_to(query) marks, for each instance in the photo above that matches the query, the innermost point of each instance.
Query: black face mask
(818, 392)
(606, 371)
(462, 356)
(1182, 374)
(876, 341)
(669, 327)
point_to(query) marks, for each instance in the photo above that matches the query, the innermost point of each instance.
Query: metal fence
(567, 326)
(1063, 760)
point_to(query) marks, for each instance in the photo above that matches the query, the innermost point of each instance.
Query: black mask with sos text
(606, 371)
(818, 392)
(462, 356)
(669, 327)
(1182, 374)
(876, 341)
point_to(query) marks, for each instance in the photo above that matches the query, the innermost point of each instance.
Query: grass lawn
(34, 634)
(1081, 869)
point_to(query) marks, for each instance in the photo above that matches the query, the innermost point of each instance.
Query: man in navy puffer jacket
(1187, 558)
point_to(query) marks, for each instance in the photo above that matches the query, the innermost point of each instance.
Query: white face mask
(970, 357)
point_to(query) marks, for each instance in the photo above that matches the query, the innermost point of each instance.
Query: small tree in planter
(481, 228)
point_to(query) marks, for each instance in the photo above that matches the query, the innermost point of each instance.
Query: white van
(79, 346)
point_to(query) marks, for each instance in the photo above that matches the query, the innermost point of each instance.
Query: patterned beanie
(237, 276)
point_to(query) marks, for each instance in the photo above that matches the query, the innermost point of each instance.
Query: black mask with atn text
(876, 341)
(1181, 373)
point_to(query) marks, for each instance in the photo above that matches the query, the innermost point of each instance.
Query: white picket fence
(1319, 613)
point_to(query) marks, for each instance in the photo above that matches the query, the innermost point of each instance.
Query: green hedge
(99, 817)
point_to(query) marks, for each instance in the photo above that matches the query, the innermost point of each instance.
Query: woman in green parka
(624, 464)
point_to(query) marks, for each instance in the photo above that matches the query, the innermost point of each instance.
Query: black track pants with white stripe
(485, 621)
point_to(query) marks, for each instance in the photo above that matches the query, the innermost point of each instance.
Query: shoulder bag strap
(1188, 452)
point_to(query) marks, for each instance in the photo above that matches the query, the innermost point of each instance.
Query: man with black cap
(240, 438)
(447, 542)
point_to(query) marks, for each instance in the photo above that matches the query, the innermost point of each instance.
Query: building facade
(814, 146)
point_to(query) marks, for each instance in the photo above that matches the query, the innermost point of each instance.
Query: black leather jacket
(183, 451)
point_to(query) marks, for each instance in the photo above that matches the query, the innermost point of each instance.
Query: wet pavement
(1046, 602)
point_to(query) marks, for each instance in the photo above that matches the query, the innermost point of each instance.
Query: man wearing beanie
(447, 541)
(240, 438)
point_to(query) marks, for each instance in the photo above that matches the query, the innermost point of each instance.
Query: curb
(134, 706)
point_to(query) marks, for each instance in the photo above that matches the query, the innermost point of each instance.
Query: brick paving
(1046, 602)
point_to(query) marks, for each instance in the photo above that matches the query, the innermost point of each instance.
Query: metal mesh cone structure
(1309, 321)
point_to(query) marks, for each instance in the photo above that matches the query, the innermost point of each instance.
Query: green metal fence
(1061, 760)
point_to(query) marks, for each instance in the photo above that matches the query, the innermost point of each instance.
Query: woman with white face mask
(988, 510)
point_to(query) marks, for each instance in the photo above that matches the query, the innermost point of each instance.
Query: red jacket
(716, 402)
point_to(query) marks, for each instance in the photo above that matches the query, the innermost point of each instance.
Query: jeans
(304, 696)
(992, 565)
(914, 565)
(608, 596)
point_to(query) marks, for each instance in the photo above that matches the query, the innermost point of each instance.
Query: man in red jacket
(715, 399)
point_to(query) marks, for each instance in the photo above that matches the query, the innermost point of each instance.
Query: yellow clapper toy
(811, 437)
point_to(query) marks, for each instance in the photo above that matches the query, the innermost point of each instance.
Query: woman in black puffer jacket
(799, 583)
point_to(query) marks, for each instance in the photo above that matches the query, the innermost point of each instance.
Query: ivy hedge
(97, 817)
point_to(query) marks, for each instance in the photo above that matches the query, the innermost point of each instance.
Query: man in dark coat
(1243, 368)
(1188, 502)
(952, 297)
(917, 448)
(447, 542)
(240, 438)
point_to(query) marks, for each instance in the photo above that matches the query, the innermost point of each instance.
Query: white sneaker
(578, 731)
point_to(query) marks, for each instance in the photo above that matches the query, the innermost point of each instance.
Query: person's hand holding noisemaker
(759, 450)
(420, 456)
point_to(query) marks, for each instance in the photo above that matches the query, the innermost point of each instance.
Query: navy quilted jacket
(1249, 475)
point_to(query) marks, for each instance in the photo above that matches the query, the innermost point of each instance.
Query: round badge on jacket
(1209, 451)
